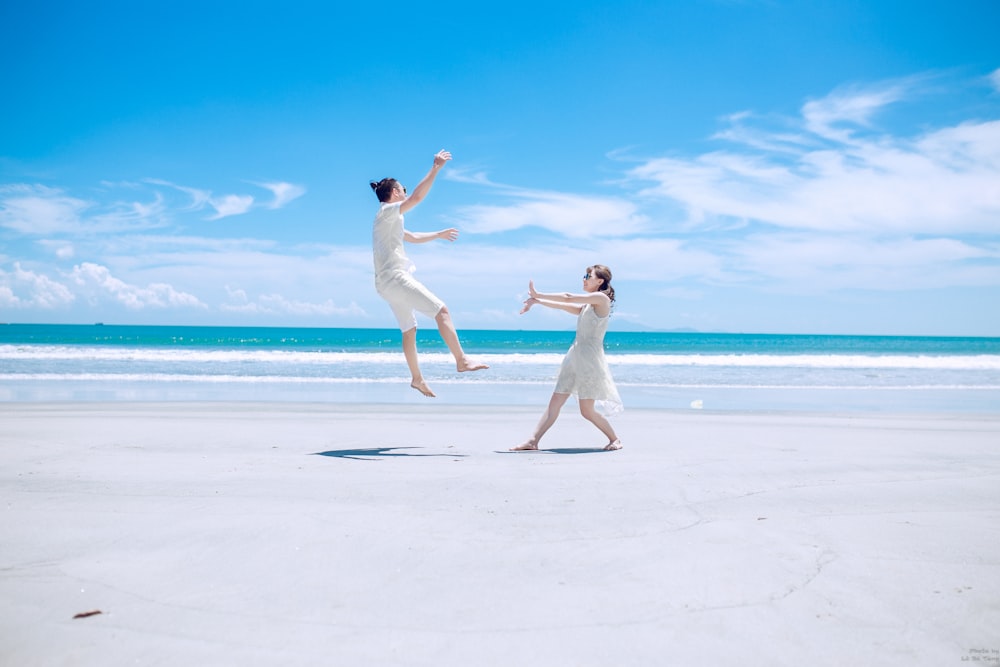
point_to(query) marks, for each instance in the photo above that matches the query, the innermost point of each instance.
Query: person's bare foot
(466, 365)
(422, 387)
(526, 447)
(612, 446)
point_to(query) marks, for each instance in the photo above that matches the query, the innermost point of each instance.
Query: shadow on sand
(561, 450)
(376, 453)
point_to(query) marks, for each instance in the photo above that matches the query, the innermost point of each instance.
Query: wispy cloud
(223, 205)
(228, 205)
(835, 116)
(133, 215)
(40, 210)
(199, 198)
(569, 215)
(283, 193)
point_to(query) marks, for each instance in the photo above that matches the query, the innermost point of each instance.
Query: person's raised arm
(424, 186)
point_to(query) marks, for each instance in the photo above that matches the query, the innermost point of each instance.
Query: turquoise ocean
(680, 371)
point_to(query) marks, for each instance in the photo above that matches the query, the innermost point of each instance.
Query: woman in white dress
(394, 279)
(584, 370)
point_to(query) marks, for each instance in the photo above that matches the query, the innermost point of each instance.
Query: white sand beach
(308, 534)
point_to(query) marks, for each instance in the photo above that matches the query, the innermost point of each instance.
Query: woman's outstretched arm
(568, 307)
(599, 300)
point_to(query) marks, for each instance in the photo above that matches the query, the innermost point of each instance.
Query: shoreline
(425, 406)
(309, 533)
(486, 395)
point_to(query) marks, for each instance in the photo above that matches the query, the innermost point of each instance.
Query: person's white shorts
(406, 295)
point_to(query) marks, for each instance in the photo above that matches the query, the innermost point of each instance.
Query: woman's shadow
(558, 450)
(376, 453)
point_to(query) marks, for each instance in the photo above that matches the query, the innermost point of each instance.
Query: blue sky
(754, 166)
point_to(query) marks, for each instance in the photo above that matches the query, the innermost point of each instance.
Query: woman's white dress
(584, 371)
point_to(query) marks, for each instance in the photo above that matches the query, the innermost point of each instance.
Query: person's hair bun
(374, 185)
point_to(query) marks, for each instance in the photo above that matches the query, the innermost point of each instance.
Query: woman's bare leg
(591, 414)
(410, 352)
(450, 337)
(544, 424)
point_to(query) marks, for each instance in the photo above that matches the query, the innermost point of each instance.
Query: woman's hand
(440, 158)
(447, 234)
(531, 289)
(528, 304)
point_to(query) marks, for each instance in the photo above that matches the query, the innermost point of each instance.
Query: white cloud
(570, 215)
(155, 295)
(283, 193)
(224, 206)
(40, 210)
(7, 297)
(199, 198)
(810, 262)
(39, 290)
(234, 204)
(61, 249)
(660, 259)
(848, 107)
(994, 78)
(276, 304)
(132, 215)
(465, 175)
(153, 248)
(945, 181)
(228, 205)
(239, 302)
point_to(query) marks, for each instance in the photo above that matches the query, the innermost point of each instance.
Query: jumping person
(584, 370)
(393, 271)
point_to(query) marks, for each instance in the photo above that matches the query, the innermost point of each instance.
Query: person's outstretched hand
(441, 157)
(528, 304)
